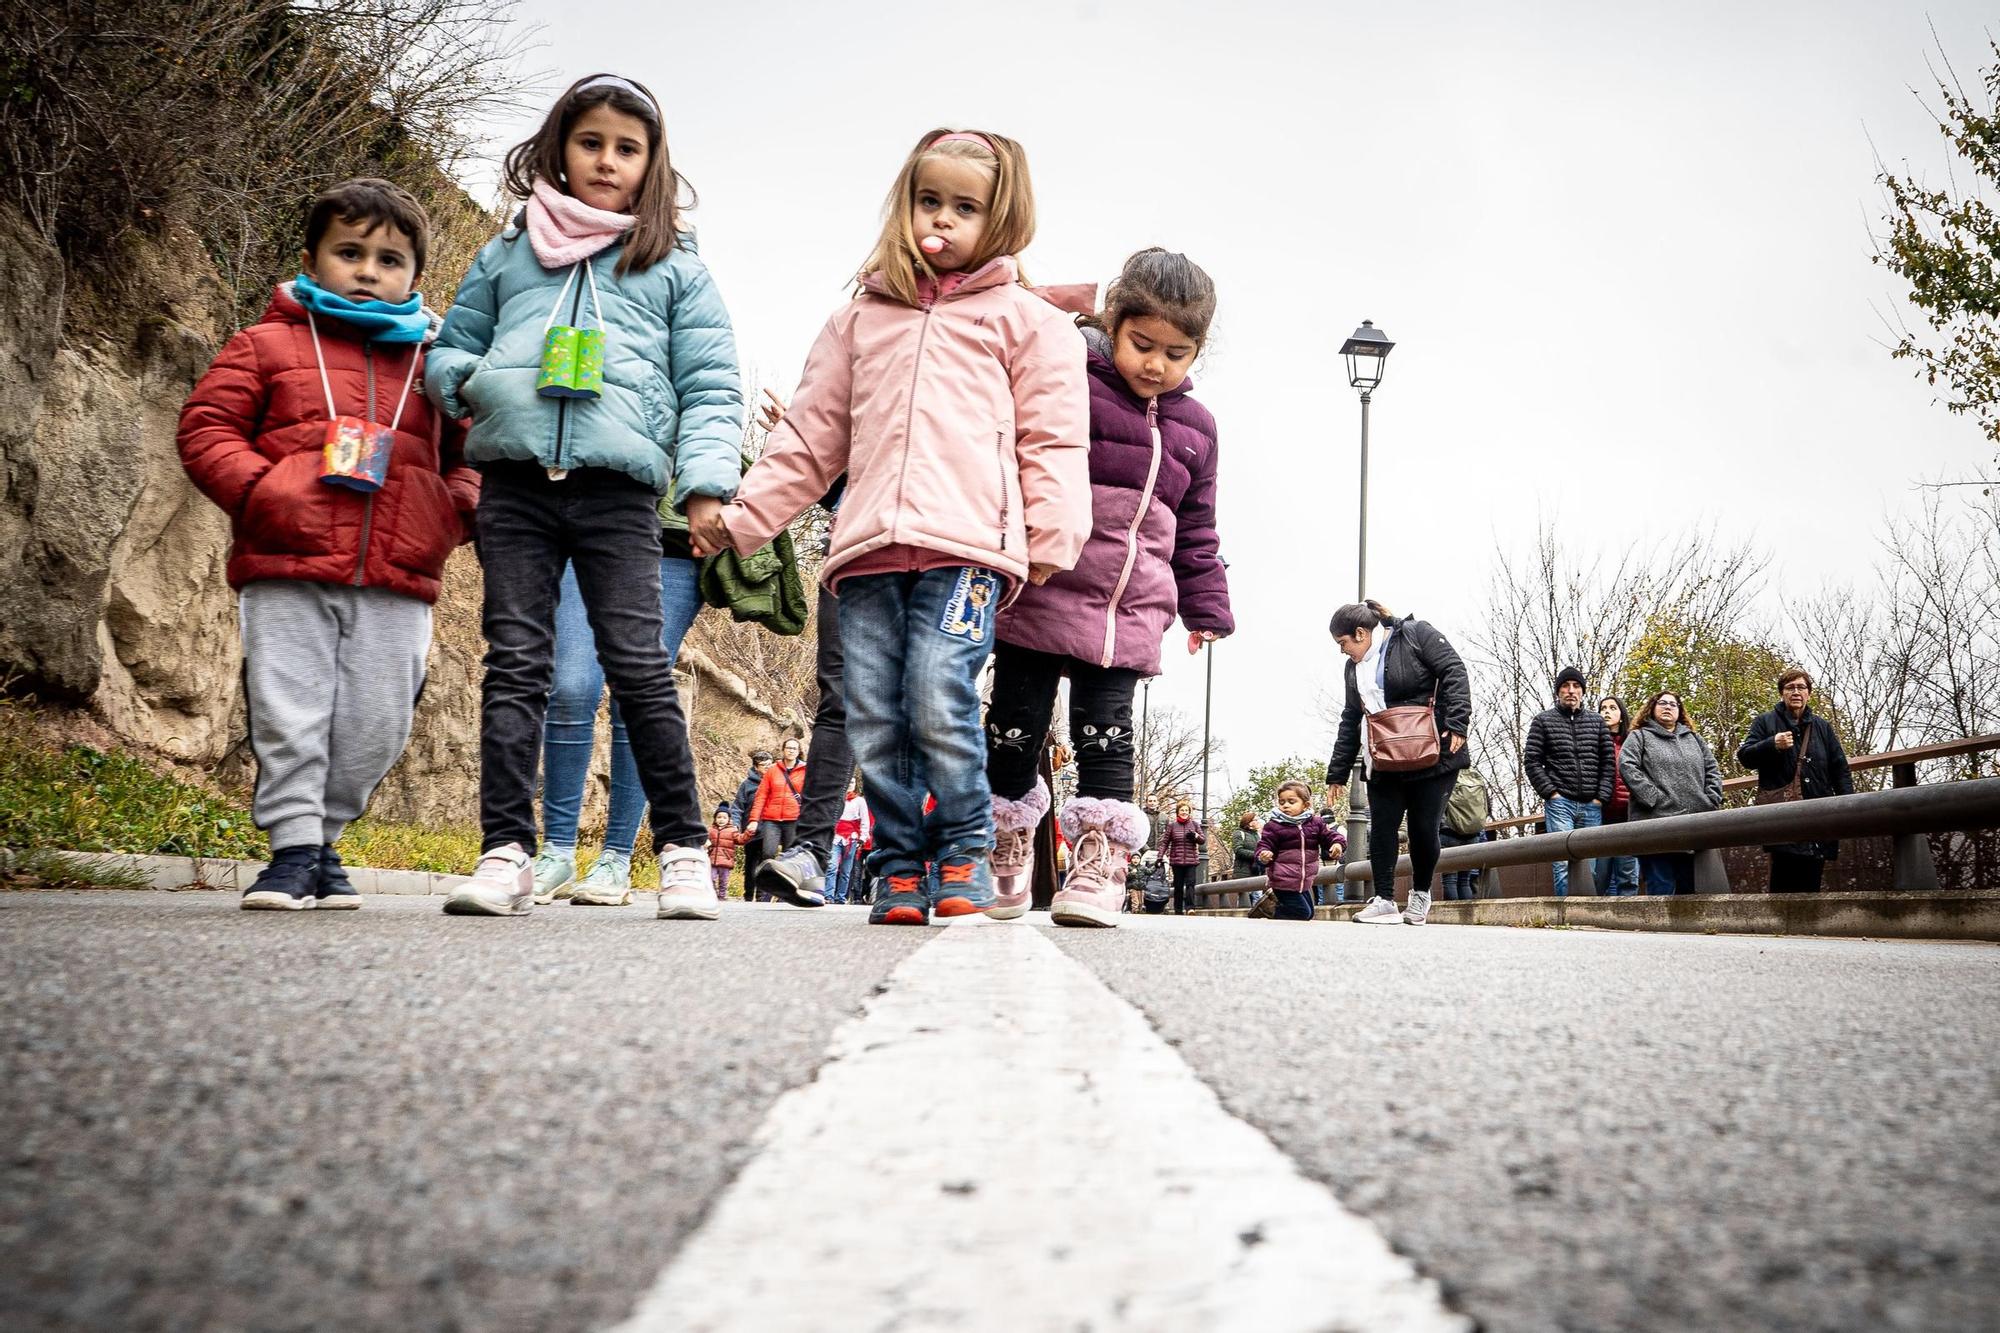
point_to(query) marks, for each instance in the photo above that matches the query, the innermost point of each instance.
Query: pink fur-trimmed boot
(1013, 860)
(1102, 835)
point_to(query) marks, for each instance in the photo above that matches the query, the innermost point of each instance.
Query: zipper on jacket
(1000, 458)
(1132, 535)
(909, 425)
(368, 505)
(562, 404)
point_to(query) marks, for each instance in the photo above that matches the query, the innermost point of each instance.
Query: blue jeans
(1668, 873)
(1562, 815)
(571, 731)
(1617, 876)
(840, 869)
(914, 644)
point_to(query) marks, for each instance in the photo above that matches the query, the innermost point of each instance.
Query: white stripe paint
(999, 1142)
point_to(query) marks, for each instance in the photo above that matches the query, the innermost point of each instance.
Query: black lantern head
(1366, 352)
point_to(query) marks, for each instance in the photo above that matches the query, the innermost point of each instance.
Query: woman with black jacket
(1779, 742)
(1393, 663)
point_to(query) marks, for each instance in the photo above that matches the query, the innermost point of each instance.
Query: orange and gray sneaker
(964, 884)
(900, 899)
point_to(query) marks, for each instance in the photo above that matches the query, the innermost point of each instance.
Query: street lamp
(1367, 352)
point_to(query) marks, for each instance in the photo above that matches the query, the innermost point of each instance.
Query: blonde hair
(1010, 222)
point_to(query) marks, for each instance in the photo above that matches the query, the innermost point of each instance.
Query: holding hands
(706, 531)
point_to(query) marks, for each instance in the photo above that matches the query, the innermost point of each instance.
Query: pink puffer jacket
(964, 428)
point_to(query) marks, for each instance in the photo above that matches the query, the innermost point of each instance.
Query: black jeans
(606, 525)
(1390, 798)
(1100, 722)
(832, 766)
(1793, 873)
(1184, 882)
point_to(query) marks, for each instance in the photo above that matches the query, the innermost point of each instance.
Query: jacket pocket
(426, 524)
(288, 511)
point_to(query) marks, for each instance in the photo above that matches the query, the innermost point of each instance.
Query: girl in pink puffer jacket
(956, 402)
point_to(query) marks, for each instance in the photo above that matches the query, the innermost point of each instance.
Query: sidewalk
(1971, 915)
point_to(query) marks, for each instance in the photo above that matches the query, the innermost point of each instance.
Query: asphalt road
(396, 1119)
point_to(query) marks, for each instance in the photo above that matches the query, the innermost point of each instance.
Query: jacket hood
(284, 308)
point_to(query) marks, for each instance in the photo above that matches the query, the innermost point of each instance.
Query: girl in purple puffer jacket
(1152, 553)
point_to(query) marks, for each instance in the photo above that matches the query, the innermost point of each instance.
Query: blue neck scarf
(378, 321)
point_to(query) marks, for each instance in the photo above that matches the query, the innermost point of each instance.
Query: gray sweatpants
(331, 676)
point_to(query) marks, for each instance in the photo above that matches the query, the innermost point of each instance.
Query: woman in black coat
(1772, 749)
(1408, 662)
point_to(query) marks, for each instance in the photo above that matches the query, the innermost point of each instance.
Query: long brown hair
(1678, 699)
(664, 194)
(1010, 222)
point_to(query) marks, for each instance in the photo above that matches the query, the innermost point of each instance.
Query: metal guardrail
(1904, 813)
(1902, 763)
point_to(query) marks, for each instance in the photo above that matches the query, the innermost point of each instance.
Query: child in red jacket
(346, 492)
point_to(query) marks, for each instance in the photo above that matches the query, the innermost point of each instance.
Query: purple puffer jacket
(1152, 549)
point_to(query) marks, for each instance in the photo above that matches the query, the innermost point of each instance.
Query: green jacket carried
(762, 588)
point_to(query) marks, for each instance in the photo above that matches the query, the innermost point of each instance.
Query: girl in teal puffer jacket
(592, 353)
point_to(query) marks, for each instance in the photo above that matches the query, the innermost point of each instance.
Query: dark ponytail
(1359, 616)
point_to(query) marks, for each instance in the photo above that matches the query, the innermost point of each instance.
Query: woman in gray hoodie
(1670, 771)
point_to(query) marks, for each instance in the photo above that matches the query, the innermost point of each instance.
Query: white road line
(999, 1142)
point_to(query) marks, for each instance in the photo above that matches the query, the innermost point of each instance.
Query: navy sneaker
(900, 899)
(963, 884)
(289, 883)
(794, 876)
(336, 890)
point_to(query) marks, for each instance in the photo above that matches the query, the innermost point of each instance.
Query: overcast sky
(1624, 258)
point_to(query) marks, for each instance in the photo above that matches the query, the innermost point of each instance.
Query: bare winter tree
(1170, 757)
(1547, 608)
(1941, 580)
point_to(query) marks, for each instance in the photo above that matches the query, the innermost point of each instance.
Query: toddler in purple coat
(1294, 842)
(1152, 554)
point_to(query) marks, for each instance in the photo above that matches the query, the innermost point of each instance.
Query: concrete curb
(185, 872)
(1969, 915)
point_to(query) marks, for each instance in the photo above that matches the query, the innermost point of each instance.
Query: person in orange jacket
(774, 812)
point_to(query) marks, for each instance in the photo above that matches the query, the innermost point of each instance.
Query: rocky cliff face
(112, 595)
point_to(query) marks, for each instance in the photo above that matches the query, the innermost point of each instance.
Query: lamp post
(1367, 351)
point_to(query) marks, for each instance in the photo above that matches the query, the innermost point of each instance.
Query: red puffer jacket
(778, 794)
(251, 436)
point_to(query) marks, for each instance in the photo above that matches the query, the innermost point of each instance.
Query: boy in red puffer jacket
(346, 492)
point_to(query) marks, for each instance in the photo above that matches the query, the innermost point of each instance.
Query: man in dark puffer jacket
(1572, 763)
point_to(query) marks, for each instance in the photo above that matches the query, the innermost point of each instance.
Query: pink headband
(963, 136)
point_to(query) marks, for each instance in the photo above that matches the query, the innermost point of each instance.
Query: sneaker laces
(955, 872)
(1090, 861)
(904, 883)
(1011, 849)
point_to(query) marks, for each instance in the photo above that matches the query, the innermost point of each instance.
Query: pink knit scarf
(563, 229)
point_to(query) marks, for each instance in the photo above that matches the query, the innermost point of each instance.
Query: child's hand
(1199, 639)
(1264, 858)
(1040, 574)
(771, 411)
(707, 533)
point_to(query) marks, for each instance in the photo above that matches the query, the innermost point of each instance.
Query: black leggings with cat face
(1100, 722)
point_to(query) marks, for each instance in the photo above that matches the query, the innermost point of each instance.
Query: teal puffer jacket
(671, 413)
